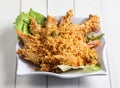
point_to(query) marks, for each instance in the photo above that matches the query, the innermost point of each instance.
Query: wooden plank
(37, 5)
(7, 42)
(32, 81)
(54, 82)
(94, 82)
(57, 8)
(111, 18)
(83, 8)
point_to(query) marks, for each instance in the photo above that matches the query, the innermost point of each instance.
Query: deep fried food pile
(60, 43)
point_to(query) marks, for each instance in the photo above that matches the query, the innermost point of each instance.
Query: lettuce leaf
(92, 37)
(65, 68)
(22, 21)
(98, 37)
(90, 68)
(87, 68)
(38, 17)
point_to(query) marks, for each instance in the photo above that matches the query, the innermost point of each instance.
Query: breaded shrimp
(27, 38)
(30, 55)
(91, 24)
(66, 19)
(35, 28)
(94, 43)
(51, 22)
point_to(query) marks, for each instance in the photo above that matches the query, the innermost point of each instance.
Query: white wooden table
(9, 9)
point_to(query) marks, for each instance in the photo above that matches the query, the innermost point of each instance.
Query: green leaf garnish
(92, 38)
(91, 57)
(87, 68)
(22, 21)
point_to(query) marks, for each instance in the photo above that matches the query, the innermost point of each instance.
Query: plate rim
(104, 72)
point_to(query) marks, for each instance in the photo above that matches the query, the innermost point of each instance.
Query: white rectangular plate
(27, 68)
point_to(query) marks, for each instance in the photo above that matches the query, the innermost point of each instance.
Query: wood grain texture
(31, 82)
(85, 7)
(37, 5)
(94, 82)
(111, 18)
(59, 7)
(54, 82)
(8, 12)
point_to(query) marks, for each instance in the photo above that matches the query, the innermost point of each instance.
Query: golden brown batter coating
(63, 44)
